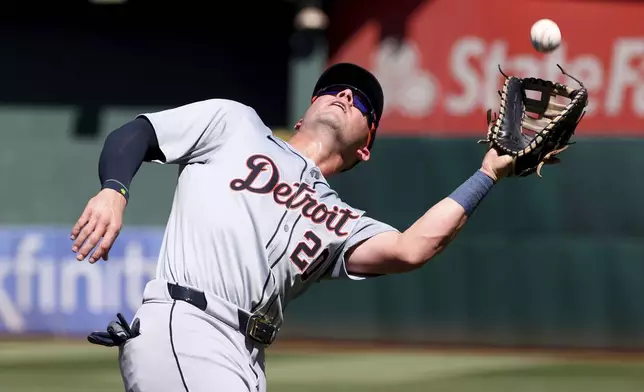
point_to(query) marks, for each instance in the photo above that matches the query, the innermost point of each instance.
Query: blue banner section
(44, 289)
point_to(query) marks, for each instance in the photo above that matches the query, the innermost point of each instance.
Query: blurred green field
(78, 366)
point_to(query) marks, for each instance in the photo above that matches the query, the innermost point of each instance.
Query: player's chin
(331, 120)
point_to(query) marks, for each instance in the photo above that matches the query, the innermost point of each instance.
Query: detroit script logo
(292, 196)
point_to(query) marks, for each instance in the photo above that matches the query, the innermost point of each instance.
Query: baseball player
(253, 224)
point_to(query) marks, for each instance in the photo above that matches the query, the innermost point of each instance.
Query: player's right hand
(101, 221)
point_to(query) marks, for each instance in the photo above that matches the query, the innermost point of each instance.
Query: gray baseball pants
(182, 348)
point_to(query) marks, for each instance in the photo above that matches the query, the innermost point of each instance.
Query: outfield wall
(551, 261)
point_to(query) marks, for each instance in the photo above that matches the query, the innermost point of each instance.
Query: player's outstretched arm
(392, 252)
(124, 150)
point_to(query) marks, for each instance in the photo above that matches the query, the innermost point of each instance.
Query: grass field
(78, 366)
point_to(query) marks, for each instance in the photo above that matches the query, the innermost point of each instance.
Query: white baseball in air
(545, 35)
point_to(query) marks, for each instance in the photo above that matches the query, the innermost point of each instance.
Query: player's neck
(318, 151)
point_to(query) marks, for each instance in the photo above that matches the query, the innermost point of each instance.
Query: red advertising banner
(438, 59)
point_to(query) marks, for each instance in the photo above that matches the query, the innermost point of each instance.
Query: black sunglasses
(360, 100)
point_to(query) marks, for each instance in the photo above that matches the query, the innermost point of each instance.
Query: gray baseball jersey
(253, 220)
(254, 223)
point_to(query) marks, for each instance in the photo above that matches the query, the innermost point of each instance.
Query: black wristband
(117, 186)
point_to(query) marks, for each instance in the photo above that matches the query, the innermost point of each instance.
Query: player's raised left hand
(101, 221)
(496, 166)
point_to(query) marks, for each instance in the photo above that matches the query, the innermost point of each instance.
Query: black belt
(253, 326)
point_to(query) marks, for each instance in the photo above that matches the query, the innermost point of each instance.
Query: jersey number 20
(306, 250)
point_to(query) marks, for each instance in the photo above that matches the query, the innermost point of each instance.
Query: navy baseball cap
(352, 75)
